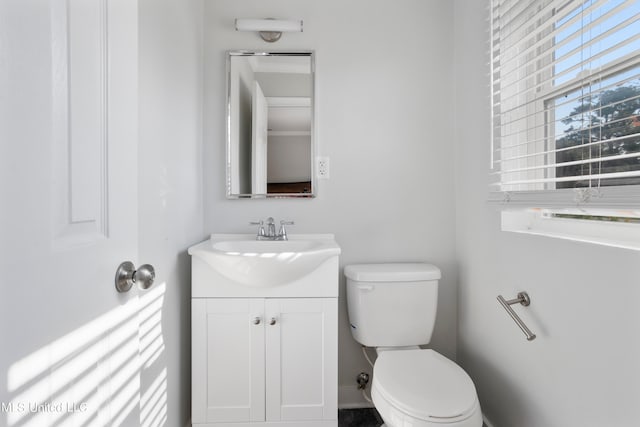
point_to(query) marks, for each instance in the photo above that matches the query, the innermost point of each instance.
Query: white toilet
(392, 307)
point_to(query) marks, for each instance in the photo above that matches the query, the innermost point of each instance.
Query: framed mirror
(270, 124)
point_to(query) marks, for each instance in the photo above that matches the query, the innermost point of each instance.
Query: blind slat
(590, 177)
(564, 149)
(603, 159)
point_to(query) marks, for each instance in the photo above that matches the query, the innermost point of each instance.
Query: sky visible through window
(618, 44)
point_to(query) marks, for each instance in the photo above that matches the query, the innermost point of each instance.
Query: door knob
(127, 275)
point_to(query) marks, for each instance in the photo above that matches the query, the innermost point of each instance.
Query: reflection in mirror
(270, 144)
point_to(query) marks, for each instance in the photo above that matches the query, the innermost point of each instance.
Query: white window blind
(566, 102)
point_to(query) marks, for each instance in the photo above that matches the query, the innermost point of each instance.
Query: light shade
(275, 25)
(269, 29)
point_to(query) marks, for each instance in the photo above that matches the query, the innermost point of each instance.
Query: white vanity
(265, 331)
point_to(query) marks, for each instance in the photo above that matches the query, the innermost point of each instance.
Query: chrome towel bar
(522, 298)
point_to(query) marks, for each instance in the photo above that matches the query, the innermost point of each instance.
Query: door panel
(301, 350)
(228, 360)
(80, 122)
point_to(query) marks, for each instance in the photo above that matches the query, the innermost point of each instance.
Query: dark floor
(360, 417)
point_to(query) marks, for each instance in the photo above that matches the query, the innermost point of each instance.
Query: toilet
(392, 307)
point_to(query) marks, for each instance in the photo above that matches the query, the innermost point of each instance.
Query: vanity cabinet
(269, 361)
(264, 327)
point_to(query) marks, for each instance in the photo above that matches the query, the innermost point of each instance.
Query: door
(227, 360)
(301, 359)
(259, 135)
(68, 215)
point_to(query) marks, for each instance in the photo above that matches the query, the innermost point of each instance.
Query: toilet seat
(424, 385)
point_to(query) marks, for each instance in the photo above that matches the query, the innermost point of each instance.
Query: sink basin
(259, 263)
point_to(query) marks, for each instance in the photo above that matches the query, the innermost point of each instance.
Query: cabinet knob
(273, 321)
(256, 321)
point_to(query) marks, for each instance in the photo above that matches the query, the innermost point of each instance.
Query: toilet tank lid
(392, 272)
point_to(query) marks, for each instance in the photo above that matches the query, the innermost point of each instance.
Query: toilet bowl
(392, 307)
(422, 388)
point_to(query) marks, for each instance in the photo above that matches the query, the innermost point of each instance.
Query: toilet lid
(424, 384)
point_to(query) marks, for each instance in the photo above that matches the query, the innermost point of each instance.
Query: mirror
(270, 124)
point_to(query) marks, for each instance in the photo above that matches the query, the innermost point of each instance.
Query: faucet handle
(283, 231)
(261, 232)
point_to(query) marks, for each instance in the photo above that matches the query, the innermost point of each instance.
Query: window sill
(539, 222)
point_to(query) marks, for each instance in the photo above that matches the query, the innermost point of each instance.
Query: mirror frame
(248, 53)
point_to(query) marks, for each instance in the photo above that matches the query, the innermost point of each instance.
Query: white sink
(258, 263)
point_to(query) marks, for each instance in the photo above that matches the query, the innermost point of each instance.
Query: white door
(259, 135)
(68, 214)
(227, 360)
(301, 359)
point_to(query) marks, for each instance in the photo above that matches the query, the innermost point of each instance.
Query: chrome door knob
(256, 321)
(127, 275)
(144, 276)
(273, 321)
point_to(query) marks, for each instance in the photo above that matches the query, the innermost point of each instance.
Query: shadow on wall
(91, 376)
(486, 372)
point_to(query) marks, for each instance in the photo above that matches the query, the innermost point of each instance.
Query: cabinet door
(228, 360)
(301, 359)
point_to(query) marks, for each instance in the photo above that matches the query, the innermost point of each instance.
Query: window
(566, 103)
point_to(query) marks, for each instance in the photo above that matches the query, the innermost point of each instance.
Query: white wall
(582, 370)
(384, 118)
(170, 179)
(288, 158)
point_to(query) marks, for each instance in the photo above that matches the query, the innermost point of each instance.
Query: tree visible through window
(604, 126)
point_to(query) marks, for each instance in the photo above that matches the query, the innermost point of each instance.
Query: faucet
(270, 232)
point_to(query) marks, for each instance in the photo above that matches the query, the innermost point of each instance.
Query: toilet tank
(392, 304)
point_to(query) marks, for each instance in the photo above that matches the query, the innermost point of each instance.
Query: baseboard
(350, 397)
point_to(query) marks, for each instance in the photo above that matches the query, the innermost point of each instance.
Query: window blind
(565, 101)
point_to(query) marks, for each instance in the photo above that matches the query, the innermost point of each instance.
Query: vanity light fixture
(269, 29)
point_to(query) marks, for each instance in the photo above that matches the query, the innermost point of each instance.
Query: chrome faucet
(269, 233)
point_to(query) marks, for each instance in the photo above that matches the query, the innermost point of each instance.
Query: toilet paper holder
(522, 298)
